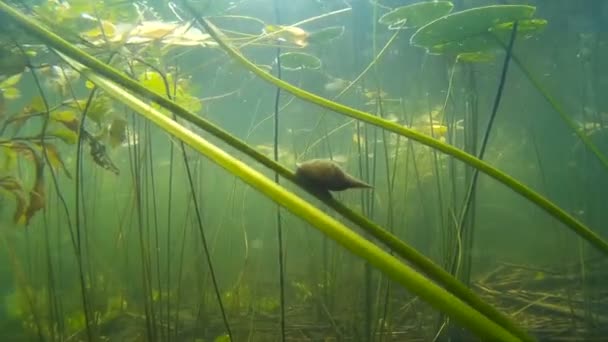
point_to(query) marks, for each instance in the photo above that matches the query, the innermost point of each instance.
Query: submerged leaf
(11, 93)
(66, 135)
(37, 194)
(222, 338)
(13, 186)
(103, 30)
(299, 60)
(67, 118)
(118, 132)
(11, 81)
(416, 15)
(54, 158)
(10, 159)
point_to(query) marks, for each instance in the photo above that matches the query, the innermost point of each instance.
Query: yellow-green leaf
(11, 93)
(67, 136)
(11, 81)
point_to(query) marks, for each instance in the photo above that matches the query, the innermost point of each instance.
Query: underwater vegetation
(177, 171)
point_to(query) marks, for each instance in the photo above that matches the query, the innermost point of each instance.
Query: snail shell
(325, 174)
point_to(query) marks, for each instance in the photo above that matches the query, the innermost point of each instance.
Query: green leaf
(476, 57)
(416, 15)
(393, 267)
(470, 28)
(11, 81)
(222, 338)
(66, 135)
(326, 35)
(299, 60)
(11, 93)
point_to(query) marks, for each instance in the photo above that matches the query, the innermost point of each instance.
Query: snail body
(324, 174)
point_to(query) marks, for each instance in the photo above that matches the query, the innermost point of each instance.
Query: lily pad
(299, 60)
(476, 57)
(415, 15)
(469, 29)
(326, 35)
(524, 27)
(291, 34)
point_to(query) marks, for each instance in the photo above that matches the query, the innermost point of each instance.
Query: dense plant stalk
(391, 266)
(542, 202)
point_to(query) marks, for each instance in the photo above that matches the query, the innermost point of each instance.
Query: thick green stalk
(534, 197)
(391, 266)
(403, 250)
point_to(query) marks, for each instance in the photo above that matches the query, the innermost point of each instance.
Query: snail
(324, 174)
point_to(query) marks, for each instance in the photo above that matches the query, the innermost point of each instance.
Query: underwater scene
(303, 170)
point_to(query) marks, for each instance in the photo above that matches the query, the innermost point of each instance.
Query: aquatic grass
(568, 220)
(554, 103)
(281, 257)
(75, 235)
(398, 271)
(382, 235)
(403, 250)
(372, 64)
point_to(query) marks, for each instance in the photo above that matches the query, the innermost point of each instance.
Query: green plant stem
(423, 263)
(281, 260)
(580, 132)
(391, 266)
(534, 197)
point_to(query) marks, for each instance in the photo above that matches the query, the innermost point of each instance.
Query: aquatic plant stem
(391, 266)
(400, 248)
(486, 136)
(76, 238)
(277, 100)
(469, 196)
(580, 132)
(403, 250)
(199, 220)
(534, 197)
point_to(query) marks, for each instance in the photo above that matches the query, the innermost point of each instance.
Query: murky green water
(114, 230)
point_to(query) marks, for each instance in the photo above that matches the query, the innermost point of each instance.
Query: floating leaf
(476, 57)
(415, 15)
(524, 27)
(290, 34)
(10, 93)
(469, 30)
(299, 60)
(326, 35)
(169, 33)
